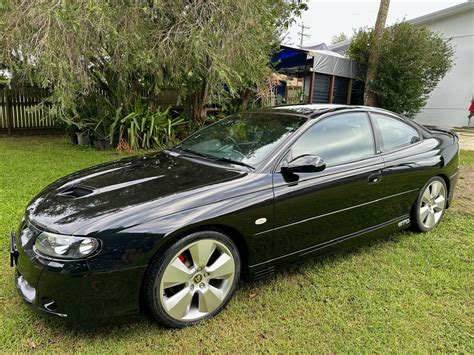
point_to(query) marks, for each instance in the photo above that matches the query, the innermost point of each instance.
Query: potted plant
(101, 134)
(71, 132)
(83, 137)
(78, 129)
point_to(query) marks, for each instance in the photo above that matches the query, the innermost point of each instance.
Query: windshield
(246, 138)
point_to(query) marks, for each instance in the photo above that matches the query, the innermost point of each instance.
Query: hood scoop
(76, 192)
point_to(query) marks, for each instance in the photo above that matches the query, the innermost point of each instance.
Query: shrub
(412, 61)
(144, 128)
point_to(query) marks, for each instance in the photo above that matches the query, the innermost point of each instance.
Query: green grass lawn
(402, 293)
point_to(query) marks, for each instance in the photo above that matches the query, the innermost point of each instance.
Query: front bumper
(68, 289)
(29, 296)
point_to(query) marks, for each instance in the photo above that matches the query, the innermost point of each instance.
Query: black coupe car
(174, 232)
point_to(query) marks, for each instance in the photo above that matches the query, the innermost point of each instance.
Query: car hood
(125, 192)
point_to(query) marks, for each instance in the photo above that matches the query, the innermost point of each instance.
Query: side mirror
(307, 163)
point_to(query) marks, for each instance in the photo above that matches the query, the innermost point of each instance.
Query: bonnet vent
(75, 192)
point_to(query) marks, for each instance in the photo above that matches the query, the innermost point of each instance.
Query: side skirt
(267, 268)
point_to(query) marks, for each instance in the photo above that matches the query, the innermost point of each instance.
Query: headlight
(65, 246)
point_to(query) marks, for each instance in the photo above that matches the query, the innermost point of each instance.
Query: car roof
(315, 110)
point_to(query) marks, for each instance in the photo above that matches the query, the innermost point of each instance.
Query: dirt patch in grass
(466, 139)
(464, 193)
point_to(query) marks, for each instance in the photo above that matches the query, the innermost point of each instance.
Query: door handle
(375, 178)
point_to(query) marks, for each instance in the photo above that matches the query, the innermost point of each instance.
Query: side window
(395, 134)
(338, 139)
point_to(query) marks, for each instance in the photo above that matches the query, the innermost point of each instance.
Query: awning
(332, 63)
(323, 61)
(289, 57)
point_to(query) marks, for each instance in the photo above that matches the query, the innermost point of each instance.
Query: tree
(412, 60)
(341, 37)
(114, 52)
(3, 79)
(223, 45)
(374, 55)
(80, 50)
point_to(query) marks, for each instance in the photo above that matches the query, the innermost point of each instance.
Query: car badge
(404, 222)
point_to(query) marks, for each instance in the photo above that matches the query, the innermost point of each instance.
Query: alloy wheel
(197, 280)
(433, 203)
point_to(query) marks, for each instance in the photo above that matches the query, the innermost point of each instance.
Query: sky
(327, 18)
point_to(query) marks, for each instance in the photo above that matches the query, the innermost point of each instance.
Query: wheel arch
(236, 236)
(448, 186)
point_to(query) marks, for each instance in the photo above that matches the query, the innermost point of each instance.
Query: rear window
(395, 134)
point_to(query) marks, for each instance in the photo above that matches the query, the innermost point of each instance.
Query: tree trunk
(370, 98)
(245, 97)
(198, 102)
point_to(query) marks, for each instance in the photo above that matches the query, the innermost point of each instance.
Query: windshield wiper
(214, 158)
(193, 152)
(235, 162)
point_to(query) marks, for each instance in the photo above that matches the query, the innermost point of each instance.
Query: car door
(314, 209)
(409, 162)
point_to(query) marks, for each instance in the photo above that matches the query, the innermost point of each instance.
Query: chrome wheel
(197, 280)
(433, 203)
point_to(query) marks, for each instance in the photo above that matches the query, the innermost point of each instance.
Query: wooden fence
(19, 110)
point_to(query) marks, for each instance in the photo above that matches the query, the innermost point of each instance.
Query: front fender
(135, 246)
(239, 214)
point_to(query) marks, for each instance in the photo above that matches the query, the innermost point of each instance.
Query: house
(324, 76)
(448, 103)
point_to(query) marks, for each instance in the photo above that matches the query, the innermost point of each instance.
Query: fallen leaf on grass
(31, 344)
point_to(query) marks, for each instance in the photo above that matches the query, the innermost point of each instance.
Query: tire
(193, 279)
(430, 205)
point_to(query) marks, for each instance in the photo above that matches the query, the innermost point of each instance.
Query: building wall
(449, 101)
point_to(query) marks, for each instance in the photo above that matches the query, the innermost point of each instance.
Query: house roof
(340, 46)
(319, 46)
(422, 20)
(453, 10)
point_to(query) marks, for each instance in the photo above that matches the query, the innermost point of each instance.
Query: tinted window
(246, 137)
(342, 138)
(395, 134)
